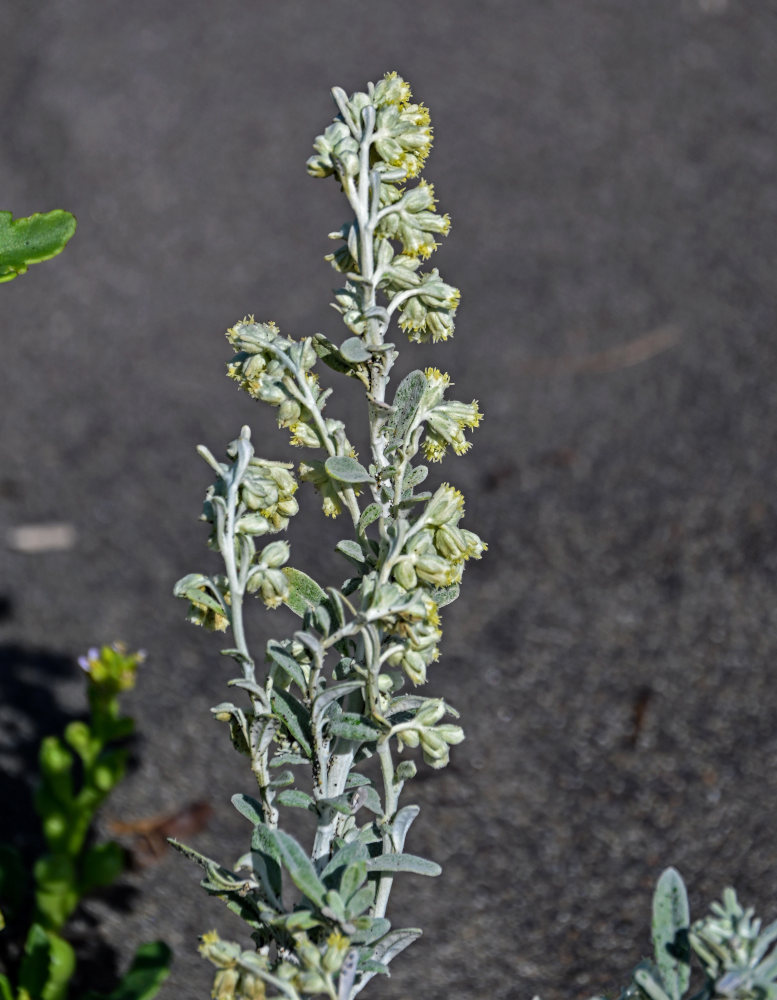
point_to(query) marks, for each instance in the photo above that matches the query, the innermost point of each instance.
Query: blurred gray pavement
(610, 167)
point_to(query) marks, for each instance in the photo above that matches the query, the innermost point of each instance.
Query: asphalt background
(610, 169)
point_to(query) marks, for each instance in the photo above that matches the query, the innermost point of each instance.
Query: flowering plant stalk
(335, 695)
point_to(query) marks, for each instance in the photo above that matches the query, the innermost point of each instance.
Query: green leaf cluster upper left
(31, 239)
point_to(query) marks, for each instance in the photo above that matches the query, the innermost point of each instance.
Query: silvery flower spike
(347, 685)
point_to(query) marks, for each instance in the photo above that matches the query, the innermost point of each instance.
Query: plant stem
(390, 808)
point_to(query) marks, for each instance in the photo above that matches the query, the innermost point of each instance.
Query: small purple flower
(85, 662)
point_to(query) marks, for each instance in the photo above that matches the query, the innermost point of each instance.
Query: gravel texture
(610, 168)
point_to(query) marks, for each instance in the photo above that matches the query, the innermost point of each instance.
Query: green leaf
(295, 798)
(352, 551)
(370, 513)
(335, 906)
(266, 860)
(354, 351)
(299, 867)
(62, 965)
(445, 595)
(354, 877)
(413, 476)
(345, 469)
(101, 866)
(335, 691)
(34, 969)
(371, 800)
(646, 981)
(5, 988)
(56, 763)
(370, 929)
(47, 966)
(283, 780)
(353, 851)
(340, 803)
(56, 894)
(287, 757)
(219, 879)
(300, 920)
(286, 662)
(330, 355)
(393, 943)
(79, 737)
(294, 717)
(403, 863)
(304, 593)
(402, 823)
(351, 726)
(248, 807)
(376, 968)
(142, 981)
(361, 900)
(671, 924)
(32, 239)
(406, 401)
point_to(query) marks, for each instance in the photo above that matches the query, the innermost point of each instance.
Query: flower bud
(408, 738)
(435, 570)
(450, 733)
(430, 712)
(447, 505)
(288, 412)
(337, 946)
(275, 554)
(225, 984)
(315, 473)
(304, 436)
(253, 524)
(406, 770)
(405, 575)
(449, 542)
(414, 666)
(274, 588)
(433, 745)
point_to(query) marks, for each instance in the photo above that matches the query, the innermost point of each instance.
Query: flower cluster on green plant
(67, 798)
(345, 687)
